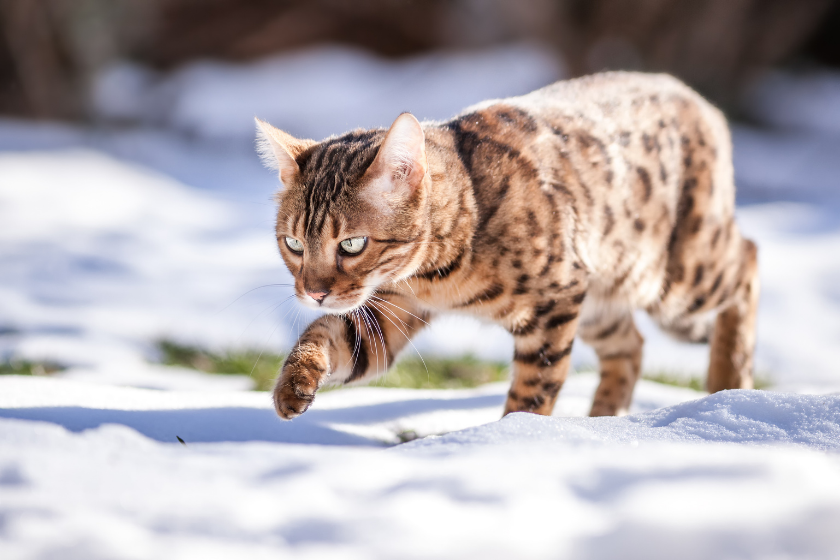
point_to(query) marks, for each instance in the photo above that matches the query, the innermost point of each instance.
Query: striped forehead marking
(329, 167)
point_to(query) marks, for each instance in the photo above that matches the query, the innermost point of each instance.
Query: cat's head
(352, 209)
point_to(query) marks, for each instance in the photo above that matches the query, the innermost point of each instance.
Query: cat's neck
(452, 213)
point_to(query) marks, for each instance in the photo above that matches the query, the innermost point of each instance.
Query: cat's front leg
(541, 363)
(309, 365)
(346, 349)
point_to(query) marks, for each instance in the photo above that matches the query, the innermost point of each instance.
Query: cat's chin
(339, 310)
(330, 307)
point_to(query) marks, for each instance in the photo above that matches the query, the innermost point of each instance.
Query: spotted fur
(555, 214)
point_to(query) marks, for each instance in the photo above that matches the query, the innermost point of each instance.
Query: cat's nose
(318, 296)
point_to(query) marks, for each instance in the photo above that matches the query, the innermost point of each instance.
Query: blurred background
(54, 51)
(136, 222)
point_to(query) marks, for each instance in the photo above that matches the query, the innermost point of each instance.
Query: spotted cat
(553, 214)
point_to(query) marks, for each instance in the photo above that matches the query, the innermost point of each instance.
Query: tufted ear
(278, 150)
(400, 164)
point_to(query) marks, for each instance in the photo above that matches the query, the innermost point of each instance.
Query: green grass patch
(666, 378)
(409, 373)
(693, 382)
(262, 367)
(443, 373)
(27, 367)
(761, 383)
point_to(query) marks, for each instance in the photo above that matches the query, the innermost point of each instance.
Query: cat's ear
(278, 150)
(400, 164)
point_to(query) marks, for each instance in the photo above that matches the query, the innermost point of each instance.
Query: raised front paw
(300, 377)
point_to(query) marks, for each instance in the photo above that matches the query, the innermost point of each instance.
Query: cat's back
(612, 105)
(614, 97)
(607, 87)
(613, 164)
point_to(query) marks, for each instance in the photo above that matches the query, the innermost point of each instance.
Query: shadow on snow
(242, 424)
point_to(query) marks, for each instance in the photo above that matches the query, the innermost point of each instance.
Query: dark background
(51, 49)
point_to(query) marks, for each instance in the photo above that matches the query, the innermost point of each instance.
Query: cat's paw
(292, 400)
(299, 380)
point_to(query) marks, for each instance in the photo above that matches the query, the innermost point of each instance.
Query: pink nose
(317, 296)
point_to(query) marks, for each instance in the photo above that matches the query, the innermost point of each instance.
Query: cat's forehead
(345, 157)
(327, 170)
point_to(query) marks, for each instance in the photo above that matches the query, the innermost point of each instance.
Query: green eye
(295, 245)
(353, 246)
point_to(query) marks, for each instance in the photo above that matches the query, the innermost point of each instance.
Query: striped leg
(346, 349)
(619, 348)
(541, 364)
(733, 341)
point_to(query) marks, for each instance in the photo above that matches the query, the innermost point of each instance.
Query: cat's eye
(353, 246)
(295, 245)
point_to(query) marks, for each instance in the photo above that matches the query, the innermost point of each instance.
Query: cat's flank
(554, 214)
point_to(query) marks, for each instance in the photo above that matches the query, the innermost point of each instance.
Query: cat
(555, 214)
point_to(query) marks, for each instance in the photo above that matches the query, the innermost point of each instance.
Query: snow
(157, 223)
(94, 249)
(804, 101)
(369, 416)
(729, 416)
(740, 474)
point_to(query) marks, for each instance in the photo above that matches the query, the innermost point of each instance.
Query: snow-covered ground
(157, 223)
(88, 471)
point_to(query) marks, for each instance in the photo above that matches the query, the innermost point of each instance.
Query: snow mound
(729, 416)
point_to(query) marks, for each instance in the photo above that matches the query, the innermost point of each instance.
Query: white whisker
(253, 290)
(381, 338)
(371, 338)
(407, 338)
(398, 307)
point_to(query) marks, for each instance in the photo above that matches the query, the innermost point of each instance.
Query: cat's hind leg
(733, 339)
(618, 344)
(722, 312)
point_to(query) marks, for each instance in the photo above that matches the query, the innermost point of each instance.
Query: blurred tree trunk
(36, 77)
(49, 49)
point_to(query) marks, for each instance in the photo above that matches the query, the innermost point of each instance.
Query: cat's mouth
(334, 304)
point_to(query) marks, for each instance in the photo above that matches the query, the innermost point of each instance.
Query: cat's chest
(507, 296)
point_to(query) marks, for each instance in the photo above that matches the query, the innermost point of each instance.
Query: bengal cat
(553, 214)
